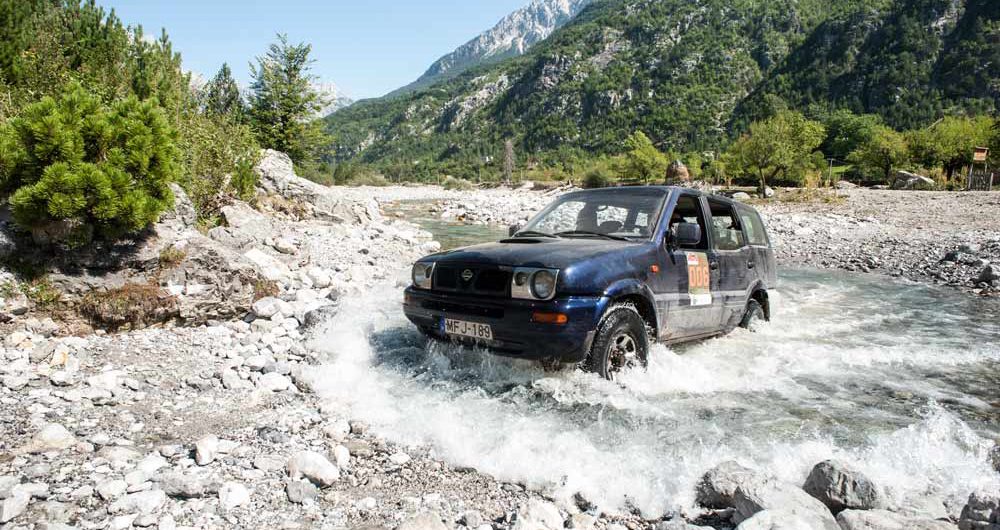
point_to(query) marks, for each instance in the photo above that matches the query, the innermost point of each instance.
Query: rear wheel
(753, 316)
(621, 343)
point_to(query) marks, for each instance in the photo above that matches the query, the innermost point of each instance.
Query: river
(899, 379)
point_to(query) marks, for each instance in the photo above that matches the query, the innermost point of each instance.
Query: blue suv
(598, 274)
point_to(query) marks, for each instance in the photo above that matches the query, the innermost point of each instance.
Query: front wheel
(621, 343)
(753, 316)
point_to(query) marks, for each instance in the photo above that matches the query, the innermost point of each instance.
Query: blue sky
(366, 47)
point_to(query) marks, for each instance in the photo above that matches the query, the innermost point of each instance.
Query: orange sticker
(699, 279)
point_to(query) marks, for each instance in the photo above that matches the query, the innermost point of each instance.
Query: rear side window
(753, 227)
(725, 227)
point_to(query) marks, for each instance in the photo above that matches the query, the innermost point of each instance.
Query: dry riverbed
(216, 425)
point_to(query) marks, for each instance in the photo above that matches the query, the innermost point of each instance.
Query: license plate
(472, 330)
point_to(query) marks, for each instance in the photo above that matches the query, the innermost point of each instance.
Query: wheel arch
(760, 294)
(637, 294)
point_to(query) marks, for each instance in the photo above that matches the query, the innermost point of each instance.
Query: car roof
(664, 189)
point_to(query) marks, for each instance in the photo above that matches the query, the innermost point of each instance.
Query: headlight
(543, 284)
(422, 274)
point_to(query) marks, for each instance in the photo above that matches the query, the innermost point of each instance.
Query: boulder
(777, 519)
(276, 175)
(718, 486)
(205, 450)
(886, 520)
(841, 487)
(52, 437)
(267, 266)
(766, 493)
(537, 514)
(314, 467)
(13, 506)
(233, 495)
(301, 491)
(244, 227)
(741, 196)
(679, 524)
(989, 274)
(845, 185)
(905, 180)
(182, 486)
(143, 502)
(982, 512)
(423, 521)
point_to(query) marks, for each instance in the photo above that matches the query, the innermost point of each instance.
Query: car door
(735, 261)
(687, 282)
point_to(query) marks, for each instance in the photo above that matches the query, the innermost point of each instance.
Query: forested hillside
(692, 76)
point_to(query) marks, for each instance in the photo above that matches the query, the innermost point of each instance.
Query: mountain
(691, 74)
(334, 97)
(512, 36)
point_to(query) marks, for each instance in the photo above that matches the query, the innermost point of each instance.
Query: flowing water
(901, 380)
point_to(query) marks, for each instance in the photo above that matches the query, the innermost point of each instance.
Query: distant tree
(778, 146)
(508, 161)
(75, 167)
(883, 153)
(284, 104)
(950, 142)
(222, 95)
(642, 159)
(846, 131)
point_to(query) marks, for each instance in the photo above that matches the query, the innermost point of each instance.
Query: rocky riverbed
(213, 420)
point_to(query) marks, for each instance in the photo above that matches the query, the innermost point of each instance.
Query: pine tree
(284, 104)
(222, 95)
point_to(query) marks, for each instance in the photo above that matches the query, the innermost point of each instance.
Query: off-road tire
(621, 342)
(754, 314)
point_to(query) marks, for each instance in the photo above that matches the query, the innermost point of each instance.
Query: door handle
(751, 264)
(714, 265)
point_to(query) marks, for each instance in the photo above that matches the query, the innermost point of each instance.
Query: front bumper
(514, 333)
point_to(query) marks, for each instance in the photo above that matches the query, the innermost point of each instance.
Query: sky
(366, 47)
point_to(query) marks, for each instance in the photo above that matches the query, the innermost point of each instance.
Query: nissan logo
(467, 274)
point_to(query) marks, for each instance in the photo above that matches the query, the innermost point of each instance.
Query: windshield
(619, 214)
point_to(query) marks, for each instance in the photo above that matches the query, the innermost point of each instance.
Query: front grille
(475, 279)
(464, 309)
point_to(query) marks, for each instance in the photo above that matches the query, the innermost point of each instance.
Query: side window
(753, 227)
(688, 210)
(725, 227)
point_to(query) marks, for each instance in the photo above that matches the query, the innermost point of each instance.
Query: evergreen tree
(86, 167)
(222, 95)
(283, 103)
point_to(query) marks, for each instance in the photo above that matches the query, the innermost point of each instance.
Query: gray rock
(111, 489)
(741, 196)
(274, 382)
(472, 518)
(267, 307)
(143, 502)
(300, 491)
(717, 487)
(777, 519)
(990, 273)
(758, 494)
(537, 514)
(840, 487)
(423, 521)
(679, 524)
(319, 315)
(911, 181)
(181, 486)
(7, 484)
(886, 520)
(314, 467)
(982, 512)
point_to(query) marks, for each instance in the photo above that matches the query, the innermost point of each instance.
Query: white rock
(13, 506)
(273, 382)
(538, 515)
(314, 467)
(266, 307)
(205, 450)
(52, 437)
(886, 520)
(759, 494)
(319, 277)
(268, 267)
(423, 521)
(399, 459)
(233, 494)
(343, 456)
(109, 380)
(110, 490)
(143, 502)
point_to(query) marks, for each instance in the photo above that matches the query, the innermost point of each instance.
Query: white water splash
(851, 368)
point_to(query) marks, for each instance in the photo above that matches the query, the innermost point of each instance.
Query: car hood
(530, 252)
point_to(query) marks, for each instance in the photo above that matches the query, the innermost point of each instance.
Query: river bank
(314, 405)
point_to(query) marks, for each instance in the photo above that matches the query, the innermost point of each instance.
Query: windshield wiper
(590, 233)
(535, 233)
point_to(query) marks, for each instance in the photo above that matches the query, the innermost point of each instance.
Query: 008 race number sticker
(699, 279)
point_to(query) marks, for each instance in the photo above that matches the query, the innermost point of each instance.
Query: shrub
(265, 289)
(368, 179)
(87, 167)
(133, 304)
(598, 177)
(171, 257)
(219, 156)
(452, 183)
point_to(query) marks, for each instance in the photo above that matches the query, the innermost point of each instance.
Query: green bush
(452, 183)
(368, 179)
(87, 167)
(598, 177)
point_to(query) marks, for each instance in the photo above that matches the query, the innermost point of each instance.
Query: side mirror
(514, 228)
(686, 234)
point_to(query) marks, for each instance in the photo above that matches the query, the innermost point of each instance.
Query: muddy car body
(598, 274)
